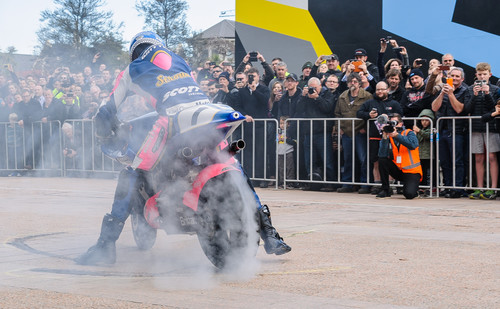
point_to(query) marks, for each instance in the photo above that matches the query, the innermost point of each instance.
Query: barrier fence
(319, 152)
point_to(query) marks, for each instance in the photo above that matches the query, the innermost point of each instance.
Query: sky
(20, 19)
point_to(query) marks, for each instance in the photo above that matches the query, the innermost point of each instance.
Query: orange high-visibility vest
(410, 159)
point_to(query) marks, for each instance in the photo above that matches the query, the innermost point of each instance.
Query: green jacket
(424, 136)
(346, 110)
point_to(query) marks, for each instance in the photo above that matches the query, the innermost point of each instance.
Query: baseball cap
(293, 76)
(360, 52)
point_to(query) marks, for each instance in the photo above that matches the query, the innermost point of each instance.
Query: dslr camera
(384, 124)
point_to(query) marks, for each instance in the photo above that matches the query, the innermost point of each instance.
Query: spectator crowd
(347, 96)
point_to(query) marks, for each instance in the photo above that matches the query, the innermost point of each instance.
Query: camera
(311, 90)
(387, 39)
(479, 83)
(384, 124)
(253, 56)
(250, 79)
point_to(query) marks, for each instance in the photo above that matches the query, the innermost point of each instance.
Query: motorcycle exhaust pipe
(186, 153)
(236, 146)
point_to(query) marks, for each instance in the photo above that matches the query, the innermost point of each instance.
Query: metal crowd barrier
(40, 147)
(468, 177)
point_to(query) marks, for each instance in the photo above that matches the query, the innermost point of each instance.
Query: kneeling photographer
(398, 157)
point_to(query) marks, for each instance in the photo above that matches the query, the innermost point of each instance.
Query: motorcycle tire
(227, 212)
(144, 234)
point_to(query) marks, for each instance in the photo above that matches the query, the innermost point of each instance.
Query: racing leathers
(165, 79)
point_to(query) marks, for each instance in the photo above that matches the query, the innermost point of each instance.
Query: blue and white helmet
(145, 37)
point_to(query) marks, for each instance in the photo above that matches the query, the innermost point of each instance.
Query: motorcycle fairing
(191, 197)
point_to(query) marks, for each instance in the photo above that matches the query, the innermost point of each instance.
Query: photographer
(399, 158)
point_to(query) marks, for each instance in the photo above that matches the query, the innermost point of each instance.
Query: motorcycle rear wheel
(227, 216)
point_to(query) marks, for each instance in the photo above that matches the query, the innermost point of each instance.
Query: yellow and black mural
(301, 30)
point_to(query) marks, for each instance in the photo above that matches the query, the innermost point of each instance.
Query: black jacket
(252, 103)
(383, 107)
(480, 105)
(322, 107)
(287, 105)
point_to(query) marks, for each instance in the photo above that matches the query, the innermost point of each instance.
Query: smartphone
(328, 57)
(444, 67)
(219, 86)
(397, 49)
(356, 64)
(421, 61)
(253, 56)
(449, 81)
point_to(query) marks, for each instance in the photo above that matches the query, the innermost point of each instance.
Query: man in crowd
(306, 74)
(268, 71)
(252, 101)
(381, 104)
(316, 102)
(348, 105)
(450, 102)
(393, 78)
(399, 158)
(415, 99)
(281, 73)
(332, 62)
(361, 55)
(483, 98)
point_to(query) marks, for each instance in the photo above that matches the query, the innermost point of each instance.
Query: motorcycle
(197, 187)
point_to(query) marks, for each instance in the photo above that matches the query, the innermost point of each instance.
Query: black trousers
(410, 181)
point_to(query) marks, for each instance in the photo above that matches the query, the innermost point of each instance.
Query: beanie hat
(416, 72)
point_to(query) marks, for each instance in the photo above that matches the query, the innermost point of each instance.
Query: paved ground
(349, 251)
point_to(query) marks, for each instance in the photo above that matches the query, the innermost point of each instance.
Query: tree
(167, 18)
(76, 29)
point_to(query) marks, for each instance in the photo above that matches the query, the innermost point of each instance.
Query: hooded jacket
(424, 135)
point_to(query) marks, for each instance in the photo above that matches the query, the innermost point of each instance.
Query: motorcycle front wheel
(144, 234)
(227, 216)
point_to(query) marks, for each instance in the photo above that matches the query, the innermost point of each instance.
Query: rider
(154, 72)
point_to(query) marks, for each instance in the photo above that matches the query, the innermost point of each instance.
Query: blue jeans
(318, 155)
(360, 149)
(446, 158)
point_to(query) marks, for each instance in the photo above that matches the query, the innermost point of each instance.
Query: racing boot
(104, 251)
(273, 243)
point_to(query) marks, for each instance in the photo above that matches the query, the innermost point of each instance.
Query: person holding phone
(317, 102)
(450, 102)
(483, 98)
(332, 63)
